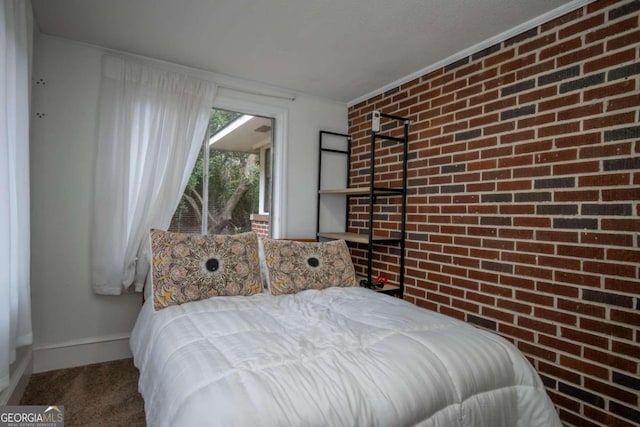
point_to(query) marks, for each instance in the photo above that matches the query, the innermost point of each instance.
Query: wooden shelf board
(357, 237)
(349, 237)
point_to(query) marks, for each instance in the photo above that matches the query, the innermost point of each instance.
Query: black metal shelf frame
(374, 193)
(376, 136)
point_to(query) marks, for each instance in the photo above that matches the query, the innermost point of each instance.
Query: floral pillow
(296, 266)
(191, 267)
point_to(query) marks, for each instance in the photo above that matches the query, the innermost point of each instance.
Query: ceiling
(335, 49)
(245, 134)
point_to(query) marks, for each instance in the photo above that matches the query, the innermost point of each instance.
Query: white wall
(67, 315)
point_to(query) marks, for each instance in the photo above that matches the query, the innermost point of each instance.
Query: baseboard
(82, 352)
(21, 371)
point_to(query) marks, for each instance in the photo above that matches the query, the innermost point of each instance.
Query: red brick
(621, 194)
(584, 367)
(610, 269)
(537, 351)
(560, 344)
(612, 179)
(609, 90)
(599, 5)
(515, 306)
(623, 348)
(572, 419)
(537, 43)
(568, 17)
(623, 41)
(605, 418)
(535, 247)
(558, 129)
(580, 26)
(632, 225)
(469, 91)
(499, 57)
(615, 28)
(623, 255)
(535, 146)
(538, 68)
(465, 71)
(623, 102)
(580, 251)
(532, 222)
(609, 359)
(606, 328)
(521, 258)
(559, 48)
(563, 101)
(483, 98)
(621, 285)
(609, 61)
(537, 120)
(575, 168)
(537, 325)
(514, 331)
(556, 236)
(580, 111)
(558, 289)
(585, 337)
(609, 150)
(559, 372)
(577, 278)
(579, 307)
(558, 156)
(628, 317)
(576, 196)
(611, 391)
(556, 316)
(579, 55)
(528, 271)
(501, 104)
(517, 136)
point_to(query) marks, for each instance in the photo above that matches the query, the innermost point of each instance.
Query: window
(229, 178)
(266, 181)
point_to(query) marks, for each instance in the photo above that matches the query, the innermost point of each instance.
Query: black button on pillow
(212, 265)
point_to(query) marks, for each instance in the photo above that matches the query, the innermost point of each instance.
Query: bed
(338, 356)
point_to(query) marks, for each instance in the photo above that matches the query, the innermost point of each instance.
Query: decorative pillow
(191, 267)
(295, 266)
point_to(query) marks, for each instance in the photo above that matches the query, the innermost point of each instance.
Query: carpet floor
(103, 394)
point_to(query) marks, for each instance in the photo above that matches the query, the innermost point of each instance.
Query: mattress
(336, 357)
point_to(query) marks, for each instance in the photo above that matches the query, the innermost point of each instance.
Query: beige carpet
(104, 394)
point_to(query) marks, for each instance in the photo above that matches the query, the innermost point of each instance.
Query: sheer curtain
(15, 301)
(151, 126)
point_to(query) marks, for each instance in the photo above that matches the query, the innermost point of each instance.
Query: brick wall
(260, 224)
(523, 205)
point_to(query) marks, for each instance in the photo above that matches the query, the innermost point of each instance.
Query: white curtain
(151, 126)
(15, 301)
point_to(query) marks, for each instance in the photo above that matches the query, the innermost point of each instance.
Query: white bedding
(337, 357)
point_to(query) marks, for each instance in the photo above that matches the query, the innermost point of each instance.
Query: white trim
(85, 351)
(229, 128)
(20, 374)
(277, 217)
(519, 29)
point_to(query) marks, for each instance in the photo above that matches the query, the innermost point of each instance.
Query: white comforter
(338, 357)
